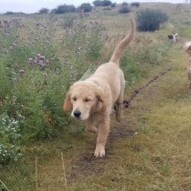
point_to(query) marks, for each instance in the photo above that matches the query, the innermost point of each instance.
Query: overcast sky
(31, 6)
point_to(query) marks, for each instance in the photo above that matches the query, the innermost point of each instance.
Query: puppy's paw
(99, 152)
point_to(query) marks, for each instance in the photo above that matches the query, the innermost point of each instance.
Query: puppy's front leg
(91, 125)
(103, 132)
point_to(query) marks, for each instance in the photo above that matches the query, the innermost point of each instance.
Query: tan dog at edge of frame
(92, 100)
(187, 48)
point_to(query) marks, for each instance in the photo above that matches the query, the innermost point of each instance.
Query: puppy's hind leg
(118, 110)
(118, 104)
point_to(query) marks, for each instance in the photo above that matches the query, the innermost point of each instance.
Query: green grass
(155, 158)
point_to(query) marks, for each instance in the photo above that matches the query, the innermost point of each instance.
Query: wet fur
(95, 97)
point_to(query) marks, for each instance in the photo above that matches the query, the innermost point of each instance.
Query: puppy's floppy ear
(67, 103)
(101, 101)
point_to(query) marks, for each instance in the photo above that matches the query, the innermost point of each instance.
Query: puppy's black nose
(77, 113)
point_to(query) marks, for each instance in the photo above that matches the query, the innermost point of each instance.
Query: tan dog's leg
(189, 75)
(103, 132)
(91, 126)
(118, 105)
(187, 48)
(190, 87)
(118, 112)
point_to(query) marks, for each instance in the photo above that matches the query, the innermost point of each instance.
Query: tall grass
(137, 60)
(38, 64)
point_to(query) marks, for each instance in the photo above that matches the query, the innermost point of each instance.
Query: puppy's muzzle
(77, 113)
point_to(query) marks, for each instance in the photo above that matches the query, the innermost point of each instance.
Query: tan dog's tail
(121, 46)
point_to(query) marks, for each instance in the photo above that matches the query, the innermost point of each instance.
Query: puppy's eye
(74, 98)
(87, 99)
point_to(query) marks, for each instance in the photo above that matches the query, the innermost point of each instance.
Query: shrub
(43, 11)
(113, 5)
(135, 4)
(124, 4)
(106, 3)
(124, 9)
(86, 7)
(61, 9)
(150, 20)
(9, 13)
(99, 3)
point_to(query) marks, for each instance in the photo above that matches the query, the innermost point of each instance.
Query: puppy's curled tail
(122, 44)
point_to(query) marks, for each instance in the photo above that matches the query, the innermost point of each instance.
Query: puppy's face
(83, 98)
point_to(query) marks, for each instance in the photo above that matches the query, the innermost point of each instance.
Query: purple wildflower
(41, 64)
(42, 57)
(35, 61)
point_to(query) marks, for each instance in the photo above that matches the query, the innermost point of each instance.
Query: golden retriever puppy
(187, 48)
(92, 100)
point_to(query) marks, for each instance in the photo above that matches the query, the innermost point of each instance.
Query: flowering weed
(9, 139)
